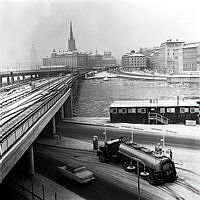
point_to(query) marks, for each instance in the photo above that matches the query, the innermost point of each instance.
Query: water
(96, 95)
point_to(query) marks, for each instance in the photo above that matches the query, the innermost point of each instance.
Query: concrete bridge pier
(30, 156)
(54, 126)
(67, 107)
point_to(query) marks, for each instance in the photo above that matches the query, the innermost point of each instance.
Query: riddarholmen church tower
(71, 40)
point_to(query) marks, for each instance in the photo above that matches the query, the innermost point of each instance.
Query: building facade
(108, 59)
(95, 60)
(133, 61)
(166, 55)
(187, 58)
(75, 59)
(71, 58)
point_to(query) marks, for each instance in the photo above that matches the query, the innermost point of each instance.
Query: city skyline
(117, 26)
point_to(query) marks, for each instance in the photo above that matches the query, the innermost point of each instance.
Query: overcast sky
(115, 25)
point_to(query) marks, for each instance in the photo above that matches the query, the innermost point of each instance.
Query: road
(111, 182)
(86, 132)
(110, 177)
(101, 188)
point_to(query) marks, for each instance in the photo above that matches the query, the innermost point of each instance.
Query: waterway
(96, 95)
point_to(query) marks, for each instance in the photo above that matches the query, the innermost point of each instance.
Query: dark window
(141, 110)
(113, 110)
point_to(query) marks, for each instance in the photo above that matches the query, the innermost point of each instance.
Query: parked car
(77, 173)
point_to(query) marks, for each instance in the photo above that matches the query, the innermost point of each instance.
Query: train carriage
(158, 112)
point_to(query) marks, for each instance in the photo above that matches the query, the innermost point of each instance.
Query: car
(77, 173)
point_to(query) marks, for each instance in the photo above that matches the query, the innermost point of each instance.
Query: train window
(171, 110)
(113, 110)
(131, 110)
(162, 110)
(141, 110)
(122, 110)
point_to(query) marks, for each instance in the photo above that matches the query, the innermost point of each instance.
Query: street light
(132, 136)
(105, 134)
(144, 173)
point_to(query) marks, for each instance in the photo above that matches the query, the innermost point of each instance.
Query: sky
(118, 26)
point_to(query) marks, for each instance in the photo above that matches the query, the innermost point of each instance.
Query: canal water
(96, 95)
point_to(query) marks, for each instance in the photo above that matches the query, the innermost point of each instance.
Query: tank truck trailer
(153, 166)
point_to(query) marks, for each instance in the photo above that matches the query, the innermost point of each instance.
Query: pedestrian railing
(158, 118)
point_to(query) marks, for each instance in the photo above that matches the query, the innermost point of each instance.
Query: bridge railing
(8, 139)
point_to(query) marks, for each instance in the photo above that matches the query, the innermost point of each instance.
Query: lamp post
(105, 134)
(144, 173)
(132, 136)
(163, 140)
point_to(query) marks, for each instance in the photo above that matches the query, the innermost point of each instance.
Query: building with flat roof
(108, 59)
(187, 58)
(133, 61)
(155, 111)
(166, 55)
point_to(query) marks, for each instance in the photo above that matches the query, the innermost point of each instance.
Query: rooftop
(158, 103)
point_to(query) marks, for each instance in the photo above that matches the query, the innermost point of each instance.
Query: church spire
(71, 40)
(71, 32)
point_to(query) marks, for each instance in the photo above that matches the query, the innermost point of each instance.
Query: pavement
(180, 130)
(38, 184)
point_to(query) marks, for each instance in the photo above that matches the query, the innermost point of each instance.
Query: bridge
(28, 112)
(47, 71)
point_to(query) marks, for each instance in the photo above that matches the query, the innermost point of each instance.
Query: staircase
(158, 118)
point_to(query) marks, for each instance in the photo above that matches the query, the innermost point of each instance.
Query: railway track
(31, 98)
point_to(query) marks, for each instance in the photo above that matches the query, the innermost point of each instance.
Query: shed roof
(147, 103)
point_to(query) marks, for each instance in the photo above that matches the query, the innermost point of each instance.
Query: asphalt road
(101, 188)
(111, 182)
(86, 132)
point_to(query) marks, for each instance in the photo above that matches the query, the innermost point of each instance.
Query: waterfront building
(166, 55)
(155, 60)
(148, 52)
(108, 59)
(133, 61)
(95, 60)
(70, 58)
(187, 58)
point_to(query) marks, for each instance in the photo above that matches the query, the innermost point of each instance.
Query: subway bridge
(29, 111)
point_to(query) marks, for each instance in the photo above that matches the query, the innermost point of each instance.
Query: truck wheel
(125, 165)
(151, 180)
(102, 158)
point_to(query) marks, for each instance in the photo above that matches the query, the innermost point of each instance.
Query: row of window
(162, 110)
